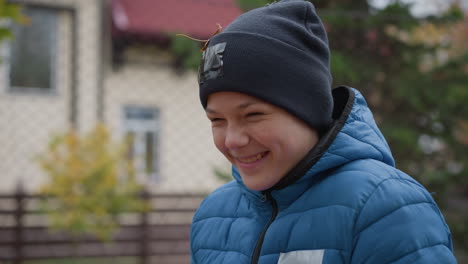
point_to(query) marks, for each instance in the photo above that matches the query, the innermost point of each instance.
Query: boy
(315, 181)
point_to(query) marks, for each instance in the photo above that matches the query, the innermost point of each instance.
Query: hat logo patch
(211, 66)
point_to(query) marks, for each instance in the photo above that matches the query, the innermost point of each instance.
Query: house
(80, 62)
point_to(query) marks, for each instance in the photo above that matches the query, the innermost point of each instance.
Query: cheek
(298, 144)
(285, 141)
(219, 139)
(271, 137)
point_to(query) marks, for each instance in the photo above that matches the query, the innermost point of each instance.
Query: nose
(235, 137)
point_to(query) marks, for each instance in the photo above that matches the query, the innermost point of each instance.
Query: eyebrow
(240, 106)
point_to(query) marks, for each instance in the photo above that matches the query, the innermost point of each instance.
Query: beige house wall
(89, 59)
(29, 120)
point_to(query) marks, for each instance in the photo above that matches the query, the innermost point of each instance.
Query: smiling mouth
(253, 158)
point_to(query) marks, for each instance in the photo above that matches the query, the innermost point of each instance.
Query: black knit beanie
(278, 53)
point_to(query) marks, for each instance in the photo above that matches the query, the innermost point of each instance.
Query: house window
(142, 129)
(32, 51)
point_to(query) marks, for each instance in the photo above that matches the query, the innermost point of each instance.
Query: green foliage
(9, 12)
(453, 14)
(346, 69)
(91, 182)
(223, 175)
(246, 5)
(187, 51)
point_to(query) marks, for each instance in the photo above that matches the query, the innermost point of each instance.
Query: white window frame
(140, 127)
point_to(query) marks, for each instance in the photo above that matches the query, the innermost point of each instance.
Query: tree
(91, 182)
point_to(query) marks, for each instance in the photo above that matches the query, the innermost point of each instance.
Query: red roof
(196, 18)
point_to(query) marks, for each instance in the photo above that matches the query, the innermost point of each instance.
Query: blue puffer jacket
(348, 205)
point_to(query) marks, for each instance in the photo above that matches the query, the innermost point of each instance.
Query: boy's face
(261, 140)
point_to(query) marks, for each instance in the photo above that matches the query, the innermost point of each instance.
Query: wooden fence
(160, 235)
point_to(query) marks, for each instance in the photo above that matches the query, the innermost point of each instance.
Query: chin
(258, 186)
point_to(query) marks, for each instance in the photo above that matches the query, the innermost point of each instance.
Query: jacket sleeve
(400, 223)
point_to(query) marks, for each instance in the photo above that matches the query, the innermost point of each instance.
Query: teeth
(252, 159)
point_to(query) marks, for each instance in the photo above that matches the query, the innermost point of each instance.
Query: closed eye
(254, 114)
(215, 120)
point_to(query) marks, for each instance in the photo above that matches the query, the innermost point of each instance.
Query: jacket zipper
(258, 246)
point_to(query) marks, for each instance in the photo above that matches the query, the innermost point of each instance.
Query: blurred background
(89, 85)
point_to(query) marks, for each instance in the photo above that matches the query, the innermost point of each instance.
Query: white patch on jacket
(302, 257)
